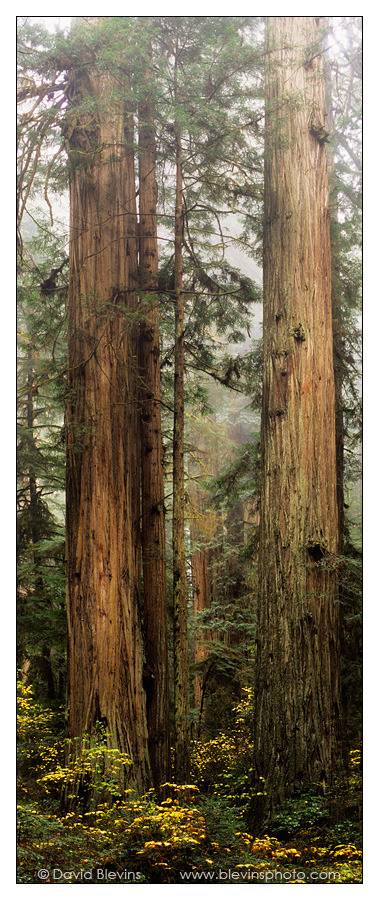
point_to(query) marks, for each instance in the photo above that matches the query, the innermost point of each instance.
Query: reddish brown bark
(201, 587)
(105, 653)
(297, 664)
(201, 571)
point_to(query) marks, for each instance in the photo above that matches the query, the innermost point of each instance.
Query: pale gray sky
(53, 22)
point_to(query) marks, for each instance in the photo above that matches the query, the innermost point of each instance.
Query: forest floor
(198, 834)
(205, 842)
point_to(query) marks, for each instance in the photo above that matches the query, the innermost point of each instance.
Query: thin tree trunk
(105, 654)
(201, 571)
(153, 509)
(30, 415)
(45, 666)
(296, 740)
(181, 662)
(201, 586)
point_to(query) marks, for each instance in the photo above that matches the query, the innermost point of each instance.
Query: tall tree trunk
(296, 741)
(153, 509)
(181, 661)
(105, 653)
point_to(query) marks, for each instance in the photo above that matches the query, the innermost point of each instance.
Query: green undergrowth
(197, 834)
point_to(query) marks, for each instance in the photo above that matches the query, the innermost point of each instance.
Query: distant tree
(344, 89)
(344, 99)
(221, 519)
(37, 534)
(199, 133)
(181, 663)
(41, 627)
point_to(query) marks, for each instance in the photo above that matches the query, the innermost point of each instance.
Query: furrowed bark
(105, 653)
(297, 664)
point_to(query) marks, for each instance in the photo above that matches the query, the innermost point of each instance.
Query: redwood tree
(296, 740)
(105, 690)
